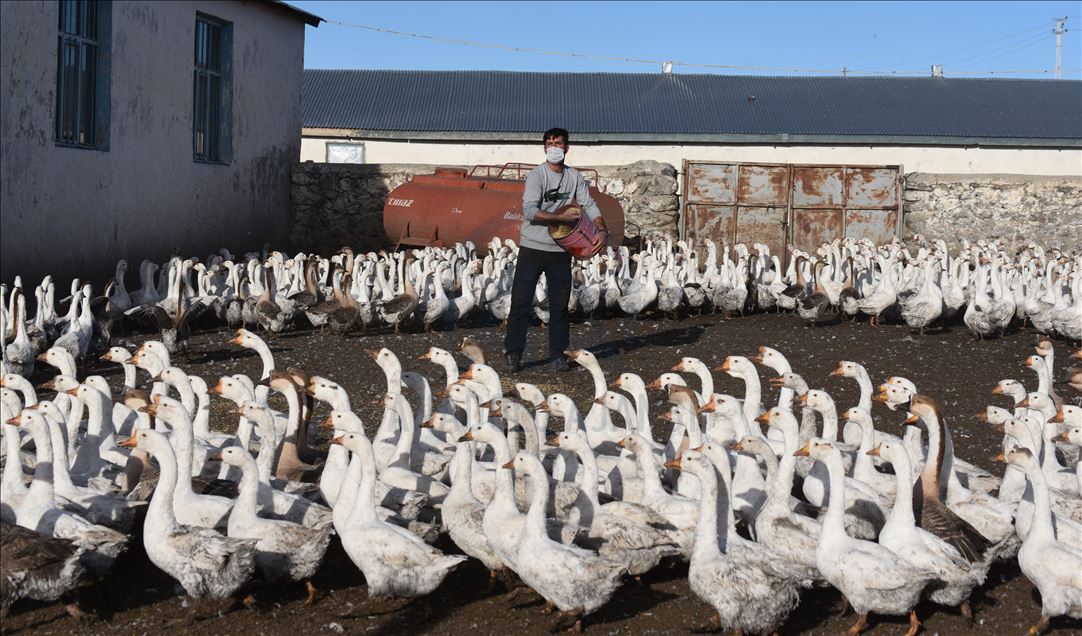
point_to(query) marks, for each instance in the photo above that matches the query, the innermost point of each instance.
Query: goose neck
(627, 412)
(902, 512)
(705, 378)
(461, 485)
(782, 483)
(13, 473)
(711, 532)
(406, 434)
(834, 519)
(182, 440)
(161, 503)
(1042, 511)
(247, 492)
(267, 449)
(61, 475)
(505, 479)
(752, 396)
(865, 384)
(364, 508)
(293, 417)
(652, 487)
(642, 411)
(539, 494)
(589, 474)
(830, 423)
(41, 488)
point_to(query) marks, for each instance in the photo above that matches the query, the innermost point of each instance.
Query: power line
(1045, 38)
(947, 54)
(980, 57)
(1010, 72)
(489, 45)
(635, 60)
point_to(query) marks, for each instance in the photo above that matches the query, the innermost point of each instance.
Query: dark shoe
(560, 364)
(514, 363)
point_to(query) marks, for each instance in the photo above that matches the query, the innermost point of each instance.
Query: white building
(930, 125)
(131, 129)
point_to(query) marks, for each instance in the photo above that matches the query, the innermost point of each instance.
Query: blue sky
(880, 36)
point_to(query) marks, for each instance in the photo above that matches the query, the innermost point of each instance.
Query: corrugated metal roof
(659, 107)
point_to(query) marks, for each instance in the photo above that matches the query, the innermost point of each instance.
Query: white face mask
(554, 155)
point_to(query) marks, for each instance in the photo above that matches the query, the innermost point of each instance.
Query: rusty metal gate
(783, 204)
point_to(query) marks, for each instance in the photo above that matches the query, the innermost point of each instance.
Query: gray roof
(662, 107)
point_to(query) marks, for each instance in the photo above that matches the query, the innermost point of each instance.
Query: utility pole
(1059, 31)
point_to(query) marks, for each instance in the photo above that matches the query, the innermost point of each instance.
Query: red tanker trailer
(454, 206)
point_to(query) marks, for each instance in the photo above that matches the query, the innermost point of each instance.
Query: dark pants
(557, 269)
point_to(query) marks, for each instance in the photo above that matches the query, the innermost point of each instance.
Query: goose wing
(945, 524)
(152, 314)
(194, 310)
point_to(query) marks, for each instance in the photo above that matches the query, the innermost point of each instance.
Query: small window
(82, 77)
(211, 112)
(339, 152)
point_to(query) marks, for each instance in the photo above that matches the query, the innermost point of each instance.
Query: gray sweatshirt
(563, 187)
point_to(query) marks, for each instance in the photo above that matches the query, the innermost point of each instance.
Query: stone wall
(1014, 209)
(646, 191)
(338, 204)
(335, 204)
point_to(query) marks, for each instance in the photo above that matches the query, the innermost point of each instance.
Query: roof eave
(724, 138)
(310, 19)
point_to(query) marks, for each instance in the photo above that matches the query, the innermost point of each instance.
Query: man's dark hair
(556, 132)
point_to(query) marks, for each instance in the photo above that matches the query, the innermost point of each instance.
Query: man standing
(549, 187)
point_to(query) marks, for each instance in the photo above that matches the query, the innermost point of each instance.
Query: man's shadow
(676, 336)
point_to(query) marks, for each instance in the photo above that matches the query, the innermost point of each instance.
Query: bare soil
(137, 598)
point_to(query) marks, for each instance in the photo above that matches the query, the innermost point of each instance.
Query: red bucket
(577, 239)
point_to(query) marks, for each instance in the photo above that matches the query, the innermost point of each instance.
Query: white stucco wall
(1029, 161)
(71, 211)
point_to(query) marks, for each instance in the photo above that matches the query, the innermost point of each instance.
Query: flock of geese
(982, 286)
(763, 501)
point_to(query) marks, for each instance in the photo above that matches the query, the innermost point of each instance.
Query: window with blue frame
(211, 116)
(82, 76)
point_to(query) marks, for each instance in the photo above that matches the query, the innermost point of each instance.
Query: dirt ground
(950, 366)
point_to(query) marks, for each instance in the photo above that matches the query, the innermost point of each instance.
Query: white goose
(1055, 568)
(205, 563)
(284, 549)
(576, 581)
(637, 541)
(872, 578)
(747, 593)
(922, 548)
(394, 561)
(38, 511)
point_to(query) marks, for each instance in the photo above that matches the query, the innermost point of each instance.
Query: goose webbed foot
(517, 591)
(1039, 627)
(500, 577)
(312, 593)
(966, 610)
(569, 621)
(548, 608)
(71, 606)
(845, 607)
(914, 623)
(711, 627)
(862, 622)
(375, 607)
